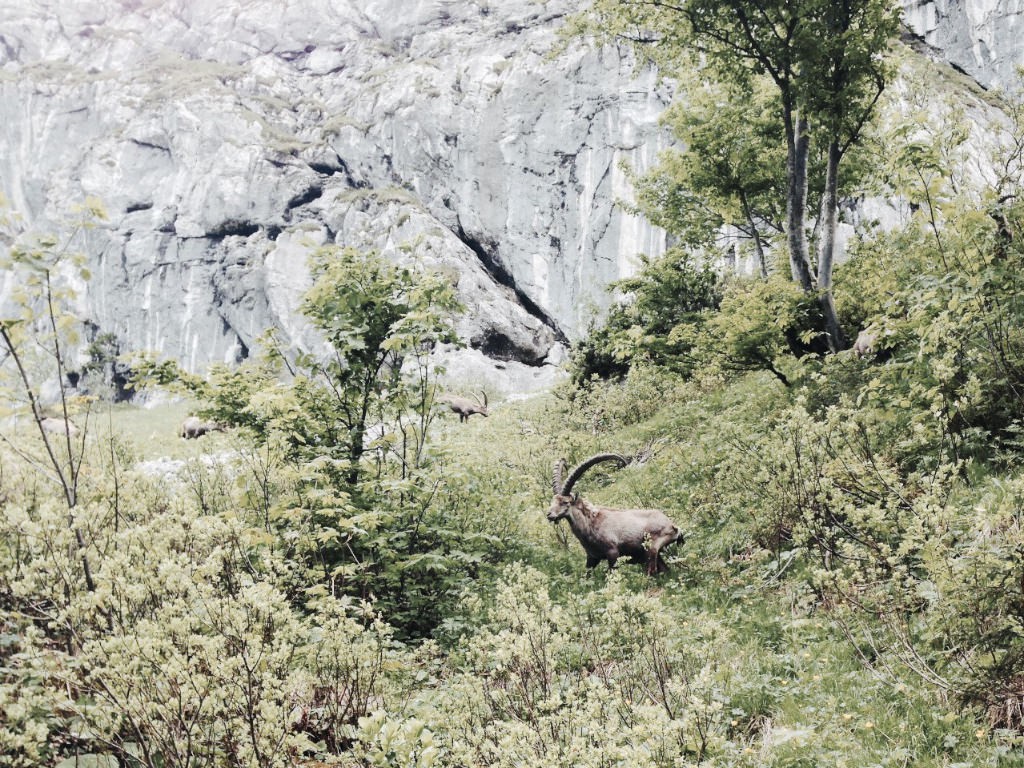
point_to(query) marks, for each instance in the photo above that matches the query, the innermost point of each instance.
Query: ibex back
(465, 407)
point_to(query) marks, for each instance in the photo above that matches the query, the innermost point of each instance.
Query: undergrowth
(738, 656)
(764, 668)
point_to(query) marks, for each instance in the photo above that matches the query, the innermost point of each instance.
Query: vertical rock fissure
(484, 252)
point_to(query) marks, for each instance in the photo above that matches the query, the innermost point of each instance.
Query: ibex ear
(575, 497)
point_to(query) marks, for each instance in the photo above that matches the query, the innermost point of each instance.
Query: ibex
(607, 533)
(464, 406)
(865, 343)
(58, 426)
(194, 427)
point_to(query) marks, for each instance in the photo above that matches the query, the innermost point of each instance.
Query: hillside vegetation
(208, 639)
(341, 572)
(849, 590)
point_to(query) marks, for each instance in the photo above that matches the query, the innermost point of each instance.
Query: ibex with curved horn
(193, 427)
(464, 406)
(58, 426)
(607, 533)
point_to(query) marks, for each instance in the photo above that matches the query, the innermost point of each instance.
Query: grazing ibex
(58, 426)
(607, 533)
(194, 427)
(464, 406)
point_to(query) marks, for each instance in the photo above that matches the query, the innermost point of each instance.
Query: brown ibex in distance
(607, 533)
(58, 426)
(193, 427)
(464, 406)
(865, 343)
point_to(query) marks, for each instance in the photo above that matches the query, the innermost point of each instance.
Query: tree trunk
(798, 148)
(829, 224)
(762, 261)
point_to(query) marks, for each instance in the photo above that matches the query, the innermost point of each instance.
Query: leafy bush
(687, 319)
(601, 409)
(947, 316)
(184, 650)
(910, 562)
(658, 320)
(759, 323)
(607, 678)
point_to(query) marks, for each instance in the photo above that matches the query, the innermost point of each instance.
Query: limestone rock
(984, 38)
(227, 139)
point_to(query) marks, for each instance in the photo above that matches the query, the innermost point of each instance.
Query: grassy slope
(798, 692)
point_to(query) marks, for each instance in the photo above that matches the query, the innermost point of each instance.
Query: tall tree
(374, 314)
(826, 60)
(728, 177)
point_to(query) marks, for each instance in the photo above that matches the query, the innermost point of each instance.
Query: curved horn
(578, 471)
(484, 393)
(556, 479)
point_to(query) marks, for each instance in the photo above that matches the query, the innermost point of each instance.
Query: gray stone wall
(227, 138)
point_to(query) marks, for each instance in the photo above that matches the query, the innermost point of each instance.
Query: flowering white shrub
(604, 680)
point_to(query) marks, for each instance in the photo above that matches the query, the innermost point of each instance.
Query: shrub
(607, 678)
(761, 322)
(663, 308)
(602, 408)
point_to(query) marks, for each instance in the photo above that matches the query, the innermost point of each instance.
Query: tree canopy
(827, 64)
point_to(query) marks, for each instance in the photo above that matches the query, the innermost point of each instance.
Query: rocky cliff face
(226, 139)
(984, 38)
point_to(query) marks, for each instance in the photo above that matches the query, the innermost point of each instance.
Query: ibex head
(564, 498)
(561, 506)
(481, 404)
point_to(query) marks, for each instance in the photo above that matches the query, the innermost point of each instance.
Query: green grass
(797, 691)
(152, 433)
